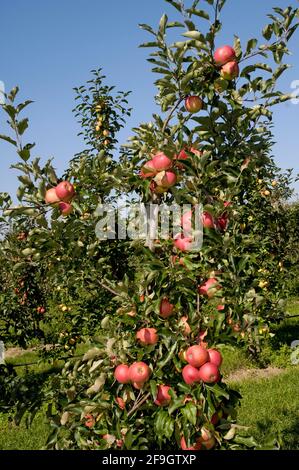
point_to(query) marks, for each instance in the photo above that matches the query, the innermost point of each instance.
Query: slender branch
(108, 288)
(135, 407)
(171, 113)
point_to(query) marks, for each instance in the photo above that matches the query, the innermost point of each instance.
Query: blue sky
(49, 47)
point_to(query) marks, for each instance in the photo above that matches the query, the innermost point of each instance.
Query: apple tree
(152, 378)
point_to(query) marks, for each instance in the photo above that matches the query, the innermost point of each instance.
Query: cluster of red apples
(203, 365)
(225, 57)
(61, 196)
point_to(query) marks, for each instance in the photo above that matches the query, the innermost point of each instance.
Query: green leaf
(246, 441)
(251, 44)
(147, 28)
(201, 13)
(193, 35)
(150, 44)
(164, 425)
(190, 413)
(162, 24)
(8, 139)
(10, 110)
(22, 126)
(176, 5)
(237, 46)
(268, 31)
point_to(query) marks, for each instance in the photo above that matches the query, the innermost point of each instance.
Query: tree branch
(135, 407)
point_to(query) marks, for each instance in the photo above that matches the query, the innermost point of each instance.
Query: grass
(269, 406)
(14, 437)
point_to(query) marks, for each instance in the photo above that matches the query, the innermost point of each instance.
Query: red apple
(138, 385)
(121, 374)
(148, 170)
(186, 222)
(205, 434)
(163, 397)
(51, 196)
(207, 220)
(209, 444)
(215, 357)
(220, 307)
(183, 243)
(209, 288)
(197, 355)
(222, 222)
(161, 162)
(195, 446)
(65, 191)
(120, 403)
(209, 373)
(224, 54)
(147, 336)
(193, 104)
(166, 179)
(65, 208)
(166, 308)
(90, 421)
(190, 374)
(139, 372)
(185, 325)
(230, 70)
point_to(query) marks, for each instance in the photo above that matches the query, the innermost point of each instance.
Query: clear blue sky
(48, 47)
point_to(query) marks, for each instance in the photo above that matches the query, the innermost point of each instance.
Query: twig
(135, 407)
(171, 113)
(108, 288)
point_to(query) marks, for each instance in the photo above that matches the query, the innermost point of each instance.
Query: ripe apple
(222, 222)
(205, 434)
(207, 220)
(121, 374)
(165, 179)
(148, 170)
(224, 54)
(209, 288)
(230, 70)
(193, 104)
(215, 357)
(209, 373)
(161, 162)
(120, 403)
(195, 446)
(220, 307)
(166, 308)
(163, 397)
(209, 444)
(183, 243)
(190, 374)
(139, 372)
(51, 196)
(185, 325)
(65, 208)
(197, 356)
(186, 222)
(90, 421)
(147, 336)
(65, 191)
(138, 385)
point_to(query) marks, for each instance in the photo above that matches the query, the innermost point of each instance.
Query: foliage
(111, 289)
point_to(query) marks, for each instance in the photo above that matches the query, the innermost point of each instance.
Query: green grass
(14, 437)
(270, 407)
